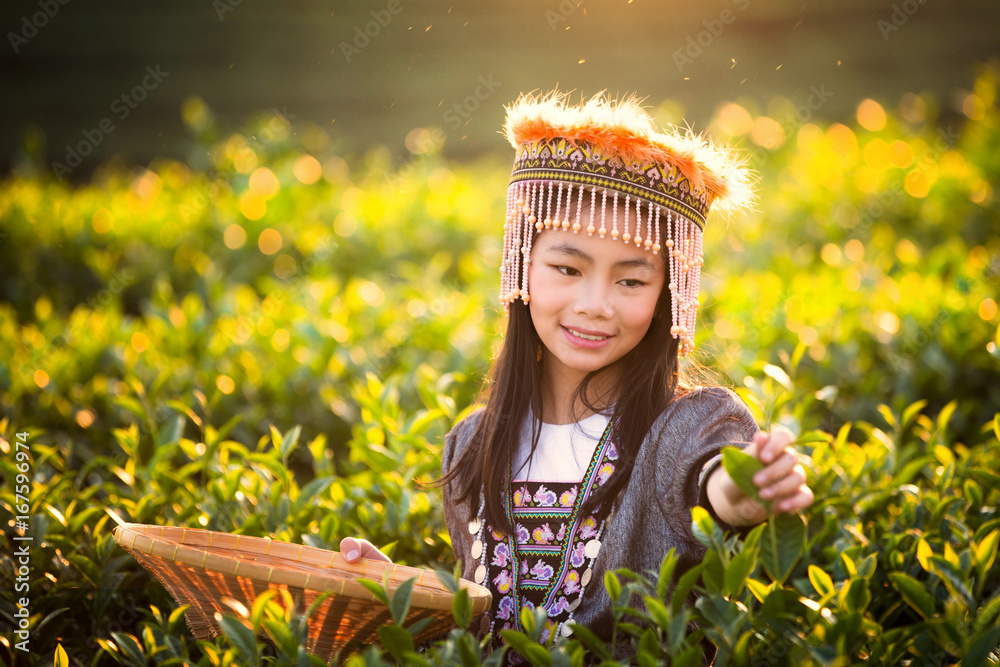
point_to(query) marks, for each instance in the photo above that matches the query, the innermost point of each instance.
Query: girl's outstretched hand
(783, 479)
(354, 549)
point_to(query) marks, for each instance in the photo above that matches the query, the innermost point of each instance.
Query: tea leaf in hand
(741, 468)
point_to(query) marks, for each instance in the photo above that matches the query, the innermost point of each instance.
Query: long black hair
(650, 372)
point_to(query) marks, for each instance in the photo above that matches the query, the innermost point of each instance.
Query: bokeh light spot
(974, 107)
(41, 378)
(917, 184)
(252, 206)
(871, 115)
(307, 169)
(988, 309)
(139, 341)
(345, 224)
(225, 384)
(280, 340)
(264, 183)
(842, 139)
(285, 266)
(85, 418)
(103, 221)
(234, 236)
(900, 154)
(767, 133)
(831, 254)
(269, 241)
(734, 120)
(855, 250)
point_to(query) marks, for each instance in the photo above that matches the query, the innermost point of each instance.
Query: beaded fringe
(528, 201)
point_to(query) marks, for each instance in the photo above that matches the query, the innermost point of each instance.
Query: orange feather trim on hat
(622, 128)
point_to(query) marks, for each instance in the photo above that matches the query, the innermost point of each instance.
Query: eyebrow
(636, 263)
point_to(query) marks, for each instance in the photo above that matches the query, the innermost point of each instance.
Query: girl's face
(592, 300)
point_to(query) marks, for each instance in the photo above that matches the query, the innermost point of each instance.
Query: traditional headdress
(613, 150)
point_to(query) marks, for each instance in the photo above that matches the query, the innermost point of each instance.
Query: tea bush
(275, 342)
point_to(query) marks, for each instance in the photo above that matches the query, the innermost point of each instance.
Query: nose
(594, 301)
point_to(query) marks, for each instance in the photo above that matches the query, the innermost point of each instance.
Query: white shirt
(564, 450)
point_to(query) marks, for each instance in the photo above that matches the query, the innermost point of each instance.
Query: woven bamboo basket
(207, 570)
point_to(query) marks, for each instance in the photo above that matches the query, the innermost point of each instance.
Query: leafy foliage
(268, 349)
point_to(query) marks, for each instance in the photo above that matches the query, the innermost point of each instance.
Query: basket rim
(272, 563)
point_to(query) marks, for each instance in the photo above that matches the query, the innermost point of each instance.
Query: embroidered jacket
(657, 501)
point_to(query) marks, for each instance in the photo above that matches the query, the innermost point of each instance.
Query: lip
(583, 342)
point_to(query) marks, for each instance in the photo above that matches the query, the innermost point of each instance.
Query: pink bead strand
(569, 206)
(614, 217)
(593, 205)
(603, 231)
(638, 223)
(626, 237)
(555, 219)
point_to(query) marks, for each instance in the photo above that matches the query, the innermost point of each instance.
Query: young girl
(592, 448)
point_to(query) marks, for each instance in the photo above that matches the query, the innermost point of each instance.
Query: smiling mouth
(585, 336)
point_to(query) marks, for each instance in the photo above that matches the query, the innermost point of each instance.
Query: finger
(801, 500)
(777, 470)
(354, 549)
(785, 486)
(777, 441)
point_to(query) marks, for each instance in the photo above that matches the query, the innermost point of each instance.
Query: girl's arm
(782, 481)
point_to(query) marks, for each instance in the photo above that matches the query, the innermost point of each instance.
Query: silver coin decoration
(477, 549)
(593, 546)
(585, 579)
(574, 604)
(566, 630)
(475, 525)
(480, 574)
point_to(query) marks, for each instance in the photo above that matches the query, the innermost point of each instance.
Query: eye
(565, 270)
(632, 283)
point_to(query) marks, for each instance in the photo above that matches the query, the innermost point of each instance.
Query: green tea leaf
(376, 590)
(988, 613)
(612, 585)
(461, 608)
(396, 640)
(741, 468)
(981, 647)
(914, 593)
(667, 566)
(399, 604)
(782, 545)
(60, 659)
(740, 567)
(242, 638)
(986, 553)
(529, 649)
(820, 581)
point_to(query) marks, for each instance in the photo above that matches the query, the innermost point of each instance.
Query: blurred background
(370, 72)
(249, 258)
